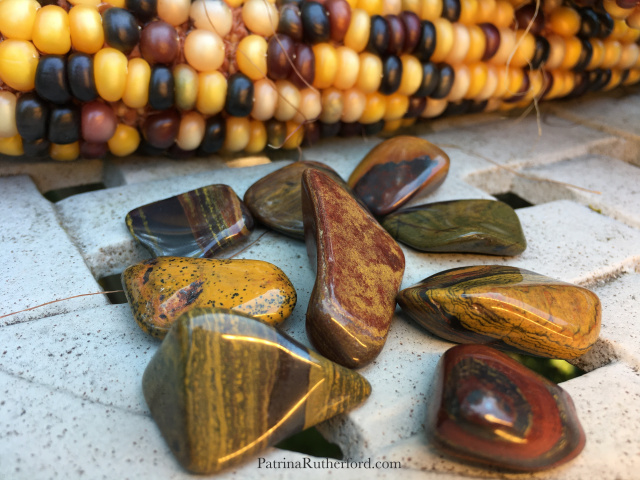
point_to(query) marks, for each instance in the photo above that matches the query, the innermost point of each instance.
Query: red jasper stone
(492, 410)
(359, 270)
(396, 170)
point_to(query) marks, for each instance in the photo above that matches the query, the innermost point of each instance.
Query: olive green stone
(459, 226)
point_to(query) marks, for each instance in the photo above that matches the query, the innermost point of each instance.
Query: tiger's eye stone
(396, 170)
(161, 289)
(510, 308)
(466, 226)
(359, 270)
(275, 200)
(492, 410)
(200, 223)
(223, 387)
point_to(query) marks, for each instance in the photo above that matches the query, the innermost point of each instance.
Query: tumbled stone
(359, 270)
(396, 170)
(459, 226)
(275, 200)
(204, 222)
(222, 387)
(492, 410)
(510, 308)
(161, 289)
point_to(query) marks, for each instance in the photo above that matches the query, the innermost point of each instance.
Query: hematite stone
(359, 270)
(469, 226)
(161, 289)
(200, 223)
(396, 170)
(510, 308)
(275, 199)
(223, 387)
(492, 410)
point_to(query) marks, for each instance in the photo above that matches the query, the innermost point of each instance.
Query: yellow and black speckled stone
(161, 289)
(508, 307)
(205, 222)
(222, 387)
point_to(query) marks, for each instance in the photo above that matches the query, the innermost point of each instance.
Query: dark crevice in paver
(513, 200)
(111, 283)
(311, 442)
(62, 193)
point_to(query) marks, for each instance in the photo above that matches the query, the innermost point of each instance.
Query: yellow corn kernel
(612, 53)
(598, 53)
(490, 84)
(8, 126)
(632, 78)
(372, 7)
(91, 3)
(461, 44)
(11, 146)
(117, 3)
(234, 3)
(444, 39)
(174, 12)
(556, 52)
(257, 137)
(629, 57)
(631, 33)
(506, 48)
(516, 79)
(374, 108)
(633, 20)
(136, 90)
(332, 105)
(251, 56)
(564, 21)
(461, 83)
(468, 11)
(326, 65)
(411, 75)
(392, 126)
(64, 153)
(357, 36)
(434, 108)
(486, 11)
(430, 10)
(191, 131)
(353, 104)
(260, 17)
(204, 50)
(615, 11)
(557, 86)
(310, 106)
(525, 49)
(370, 73)
(619, 29)
(503, 14)
(479, 72)
(110, 73)
(212, 92)
(288, 100)
(51, 32)
(237, 135)
(265, 100)
(616, 77)
(125, 141)
(391, 7)
(477, 45)
(17, 18)
(411, 6)
(348, 68)
(397, 105)
(407, 122)
(18, 63)
(85, 25)
(185, 80)
(211, 15)
(502, 86)
(573, 48)
(295, 134)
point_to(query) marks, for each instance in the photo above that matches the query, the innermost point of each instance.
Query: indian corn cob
(86, 78)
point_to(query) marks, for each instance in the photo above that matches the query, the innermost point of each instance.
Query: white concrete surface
(48, 175)
(70, 377)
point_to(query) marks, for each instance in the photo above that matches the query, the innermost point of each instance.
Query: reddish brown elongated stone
(396, 170)
(359, 270)
(490, 409)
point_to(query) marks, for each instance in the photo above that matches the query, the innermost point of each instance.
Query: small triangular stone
(207, 222)
(459, 226)
(510, 308)
(492, 410)
(163, 288)
(222, 387)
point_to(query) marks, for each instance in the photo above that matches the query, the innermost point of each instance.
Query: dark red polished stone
(492, 410)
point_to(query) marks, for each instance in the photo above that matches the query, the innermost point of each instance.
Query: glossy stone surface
(200, 223)
(275, 201)
(359, 270)
(492, 410)
(222, 387)
(508, 307)
(161, 289)
(396, 170)
(461, 226)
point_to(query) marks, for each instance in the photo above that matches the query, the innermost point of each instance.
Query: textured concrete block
(39, 262)
(48, 175)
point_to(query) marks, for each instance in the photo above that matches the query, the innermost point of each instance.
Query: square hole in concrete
(513, 200)
(553, 369)
(311, 442)
(62, 193)
(110, 283)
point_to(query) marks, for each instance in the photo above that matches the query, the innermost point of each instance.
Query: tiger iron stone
(161, 289)
(205, 222)
(396, 170)
(510, 308)
(359, 271)
(222, 387)
(490, 409)
(274, 200)
(459, 226)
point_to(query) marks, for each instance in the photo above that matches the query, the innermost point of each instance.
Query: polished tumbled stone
(222, 387)
(396, 170)
(492, 410)
(206, 222)
(359, 269)
(459, 226)
(275, 200)
(161, 289)
(507, 307)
